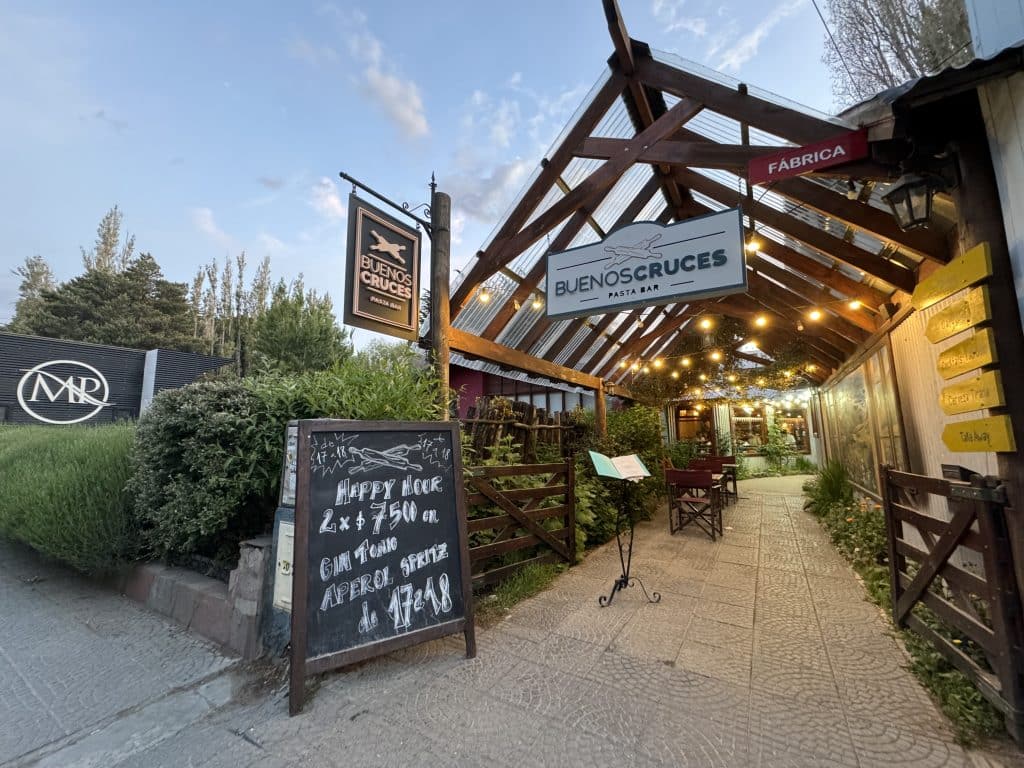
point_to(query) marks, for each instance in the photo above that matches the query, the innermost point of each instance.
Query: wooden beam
(698, 154)
(620, 37)
(598, 181)
(640, 342)
(773, 118)
(782, 331)
(813, 294)
(589, 340)
(925, 243)
(838, 331)
(528, 283)
(808, 234)
(823, 273)
(814, 335)
(610, 340)
(625, 333)
(474, 346)
(487, 262)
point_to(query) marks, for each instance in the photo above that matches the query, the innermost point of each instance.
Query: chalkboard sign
(381, 553)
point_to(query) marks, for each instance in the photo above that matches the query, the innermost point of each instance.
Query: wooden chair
(724, 470)
(694, 497)
(729, 468)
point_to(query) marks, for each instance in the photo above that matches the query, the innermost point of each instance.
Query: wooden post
(600, 412)
(980, 219)
(440, 283)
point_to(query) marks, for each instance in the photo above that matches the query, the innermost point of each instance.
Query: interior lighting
(716, 356)
(815, 315)
(698, 407)
(686, 362)
(760, 321)
(706, 324)
(854, 305)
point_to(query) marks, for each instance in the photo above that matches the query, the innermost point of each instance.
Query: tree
(298, 332)
(36, 277)
(109, 255)
(883, 43)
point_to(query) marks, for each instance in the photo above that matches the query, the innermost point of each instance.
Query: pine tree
(108, 254)
(36, 278)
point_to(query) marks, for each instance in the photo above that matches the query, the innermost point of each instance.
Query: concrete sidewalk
(762, 652)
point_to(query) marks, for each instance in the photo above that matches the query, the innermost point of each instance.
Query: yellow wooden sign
(980, 435)
(966, 313)
(968, 355)
(962, 272)
(985, 391)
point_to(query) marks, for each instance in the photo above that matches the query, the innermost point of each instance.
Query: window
(749, 430)
(793, 422)
(693, 424)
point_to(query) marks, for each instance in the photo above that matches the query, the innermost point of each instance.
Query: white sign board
(647, 263)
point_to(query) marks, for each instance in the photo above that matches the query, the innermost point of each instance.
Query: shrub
(830, 486)
(636, 430)
(208, 459)
(62, 492)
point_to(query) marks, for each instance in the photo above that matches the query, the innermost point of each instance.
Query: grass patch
(527, 582)
(62, 492)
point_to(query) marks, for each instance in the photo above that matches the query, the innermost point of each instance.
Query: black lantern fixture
(910, 199)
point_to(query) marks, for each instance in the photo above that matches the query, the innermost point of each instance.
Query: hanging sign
(984, 391)
(980, 435)
(978, 350)
(381, 558)
(382, 272)
(959, 316)
(647, 263)
(962, 272)
(799, 160)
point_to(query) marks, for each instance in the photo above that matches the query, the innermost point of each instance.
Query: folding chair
(694, 497)
(712, 464)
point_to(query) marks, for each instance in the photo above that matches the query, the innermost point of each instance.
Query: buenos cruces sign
(648, 263)
(383, 272)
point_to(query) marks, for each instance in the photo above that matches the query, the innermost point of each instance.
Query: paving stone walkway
(762, 652)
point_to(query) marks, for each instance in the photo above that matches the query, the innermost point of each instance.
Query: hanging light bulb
(716, 356)
(814, 314)
(761, 382)
(799, 326)
(646, 369)
(855, 305)
(623, 363)
(658, 363)
(732, 378)
(635, 366)
(753, 343)
(753, 244)
(812, 367)
(686, 362)
(484, 295)
(698, 407)
(706, 324)
(760, 321)
(703, 377)
(675, 374)
(537, 303)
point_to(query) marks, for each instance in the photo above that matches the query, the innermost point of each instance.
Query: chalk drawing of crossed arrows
(392, 457)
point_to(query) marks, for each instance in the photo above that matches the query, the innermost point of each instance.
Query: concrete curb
(228, 614)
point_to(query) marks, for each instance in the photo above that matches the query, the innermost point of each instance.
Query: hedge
(62, 492)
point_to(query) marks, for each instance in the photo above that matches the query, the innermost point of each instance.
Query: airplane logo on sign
(39, 384)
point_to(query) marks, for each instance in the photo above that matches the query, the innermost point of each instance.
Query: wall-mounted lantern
(910, 199)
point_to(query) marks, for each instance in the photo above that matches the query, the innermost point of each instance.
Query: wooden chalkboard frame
(301, 666)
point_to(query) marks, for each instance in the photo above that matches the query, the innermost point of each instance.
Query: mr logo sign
(78, 391)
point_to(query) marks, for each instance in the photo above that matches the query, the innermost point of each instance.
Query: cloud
(271, 244)
(485, 193)
(669, 15)
(315, 55)
(326, 200)
(399, 100)
(745, 48)
(203, 220)
(270, 182)
(503, 123)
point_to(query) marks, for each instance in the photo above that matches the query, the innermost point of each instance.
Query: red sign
(799, 160)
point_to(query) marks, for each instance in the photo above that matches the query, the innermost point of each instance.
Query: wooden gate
(521, 522)
(961, 570)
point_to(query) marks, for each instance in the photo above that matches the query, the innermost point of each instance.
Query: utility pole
(440, 269)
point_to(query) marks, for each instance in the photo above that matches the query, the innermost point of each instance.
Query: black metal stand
(625, 558)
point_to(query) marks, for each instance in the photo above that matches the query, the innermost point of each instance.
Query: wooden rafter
(812, 293)
(473, 346)
(698, 154)
(489, 260)
(611, 339)
(640, 344)
(808, 234)
(815, 335)
(835, 329)
(596, 183)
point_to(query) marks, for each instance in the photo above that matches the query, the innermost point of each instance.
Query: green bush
(62, 492)
(636, 430)
(208, 458)
(830, 486)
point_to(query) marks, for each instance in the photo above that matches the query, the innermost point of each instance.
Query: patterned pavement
(762, 652)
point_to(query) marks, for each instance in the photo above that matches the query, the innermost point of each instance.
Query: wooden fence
(983, 608)
(493, 419)
(520, 525)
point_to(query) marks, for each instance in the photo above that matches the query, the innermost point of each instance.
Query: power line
(832, 38)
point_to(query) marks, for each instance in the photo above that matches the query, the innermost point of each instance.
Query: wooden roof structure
(660, 138)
